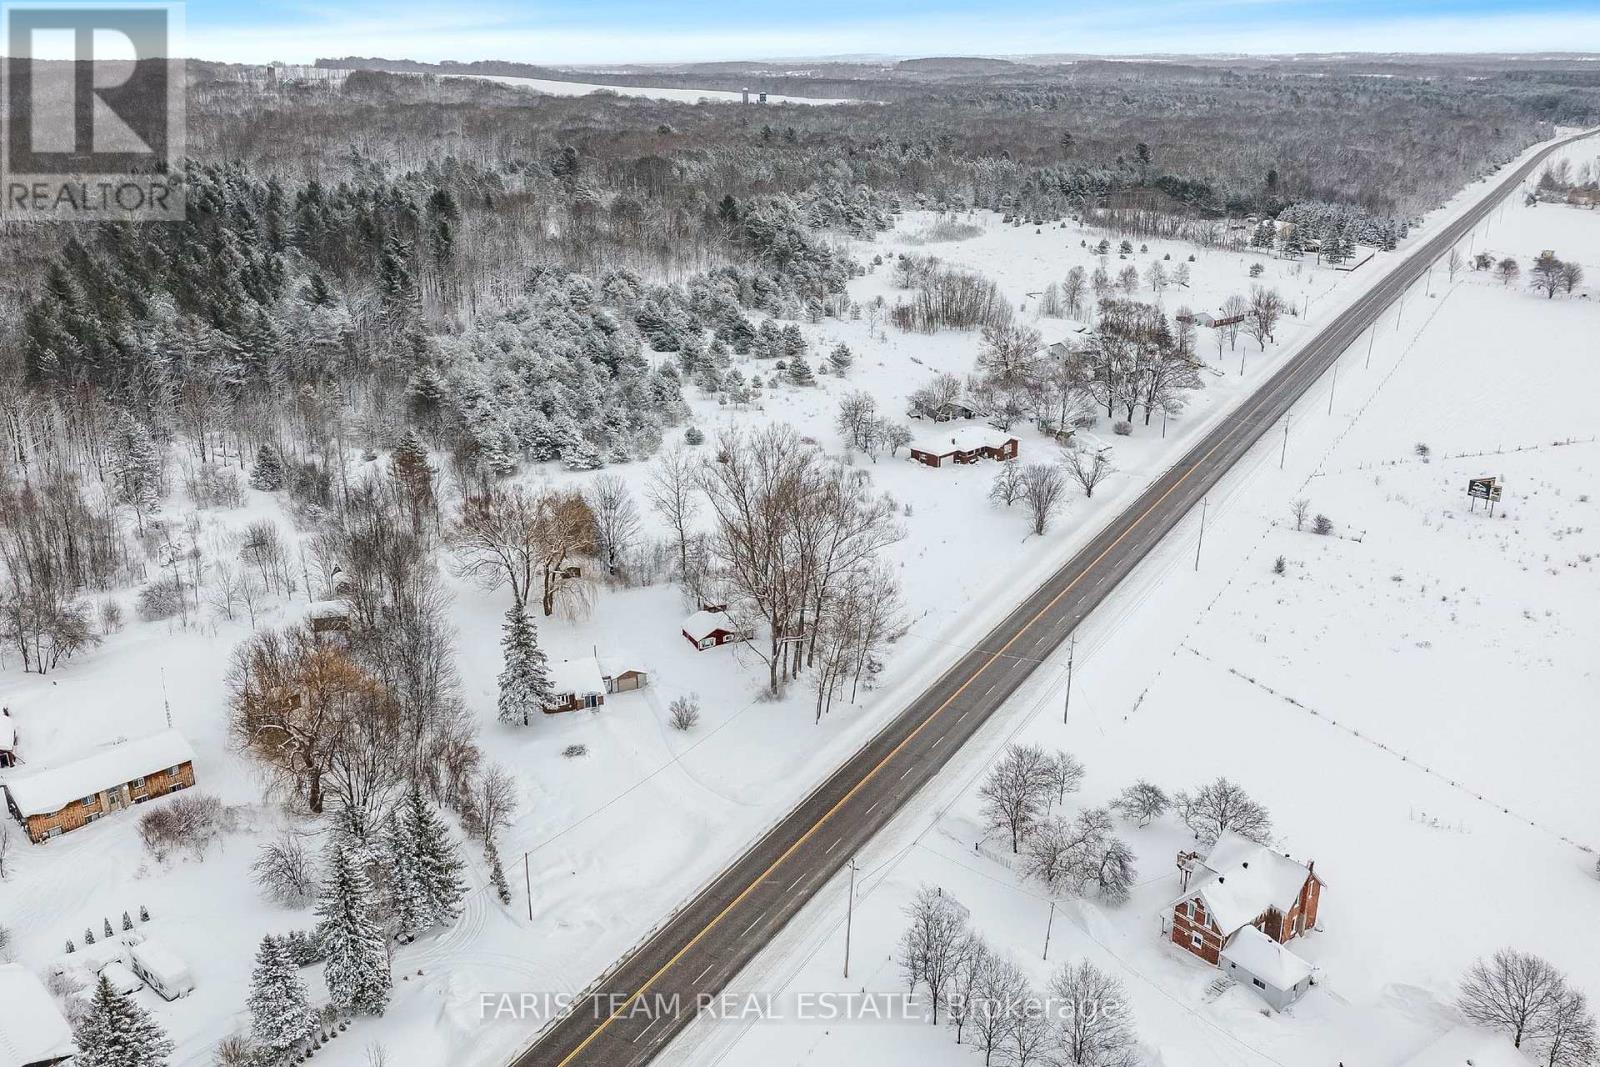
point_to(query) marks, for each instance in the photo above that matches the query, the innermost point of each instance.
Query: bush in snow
(693, 436)
(684, 712)
(190, 820)
(574, 751)
(284, 872)
(1280, 566)
(1322, 525)
(1122, 428)
(1142, 802)
(161, 599)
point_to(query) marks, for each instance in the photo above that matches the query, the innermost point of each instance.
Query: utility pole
(1372, 336)
(1202, 538)
(1048, 926)
(1428, 285)
(849, 914)
(1333, 385)
(1072, 648)
(1284, 454)
(527, 885)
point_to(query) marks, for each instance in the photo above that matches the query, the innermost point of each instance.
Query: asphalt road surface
(636, 1008)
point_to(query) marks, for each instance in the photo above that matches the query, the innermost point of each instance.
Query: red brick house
(1240, 885)
(712, 626)
(53, 801)
(964, 444)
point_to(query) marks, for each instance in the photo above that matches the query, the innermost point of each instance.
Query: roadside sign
(1484, 489)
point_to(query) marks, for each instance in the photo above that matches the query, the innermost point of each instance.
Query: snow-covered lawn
(1413, 699)
(618, 837)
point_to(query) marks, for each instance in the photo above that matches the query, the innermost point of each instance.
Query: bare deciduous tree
(1222, 807)
(1086, 466)
(1512, 991)
(1017, 791)
(934, 945)
(1094, 1024)
(1142, 802)
(1042, 490)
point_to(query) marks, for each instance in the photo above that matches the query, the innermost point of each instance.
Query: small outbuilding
(33, 1032)
(161, 969)
(712, 626)
(1277, 975)
(8, 739)
(329, 616)
(576, 684)
(71, 795)
(121, 978)
(964, 444)
(619, 678)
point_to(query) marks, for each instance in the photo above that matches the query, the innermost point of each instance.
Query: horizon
(628, 32)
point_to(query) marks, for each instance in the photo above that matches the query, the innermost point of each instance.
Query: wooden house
(712, 626)
(964, 444)
(576, 684)
(328, 616)
(1243, 886)
(945, 412)
(620, 678)
(53, 801)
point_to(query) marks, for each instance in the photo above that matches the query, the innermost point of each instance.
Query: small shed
(576, 683)
(33, 1032)
(328, 616)
(621, 678)
(165, 972)
(712, 626)
(1277, 975)
(964, 444)
(121, 977)
(8, 739)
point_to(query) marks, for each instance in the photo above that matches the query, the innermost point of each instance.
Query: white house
(161, 969)
(33, 1032)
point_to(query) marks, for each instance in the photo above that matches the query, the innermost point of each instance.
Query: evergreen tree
(426, 884)
(88, 935)
(497, 873)
(127, 921)
(525, 678)
(144, 914)
(800, 372)
(116, 1032)
(268, 472)
(840, 358)
(135, 465)
(280, 1007)
(109, 932)
(357, 967)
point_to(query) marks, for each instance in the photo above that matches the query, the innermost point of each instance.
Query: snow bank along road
(635, 1009)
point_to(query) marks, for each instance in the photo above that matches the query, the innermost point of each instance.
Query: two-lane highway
(628, 1015)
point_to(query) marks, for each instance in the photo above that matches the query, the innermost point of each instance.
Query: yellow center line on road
(1268, 393)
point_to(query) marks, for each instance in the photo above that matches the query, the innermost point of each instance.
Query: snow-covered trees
(1142, 802)
(934, 945)
(116, 1032)
(357, 965)
(1507, 270)
(1221, 807)
(1086, 466)
(1042, 490)
(423, 867)
(268, 473)
(525, 679)
(1017, 791)
(280, 1007)
(1261, 316)
(1094, 1024)
(1546, 273)
(1512, 991)
(283, 871)
(508, 535)
(135, 465)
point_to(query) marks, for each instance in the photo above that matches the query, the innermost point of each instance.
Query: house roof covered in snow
(703, 623)
(32, 1028)
(579, 677)
(1266, 959)
(166, 965)
(337, 608)
(1465, 1045)
(1241, 879)
(948, 439)
(52, 789)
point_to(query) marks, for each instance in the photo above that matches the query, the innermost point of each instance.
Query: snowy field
(1413, 699)
(682, 96)
(617, 838)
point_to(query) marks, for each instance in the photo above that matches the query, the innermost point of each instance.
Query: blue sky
(600, 31)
